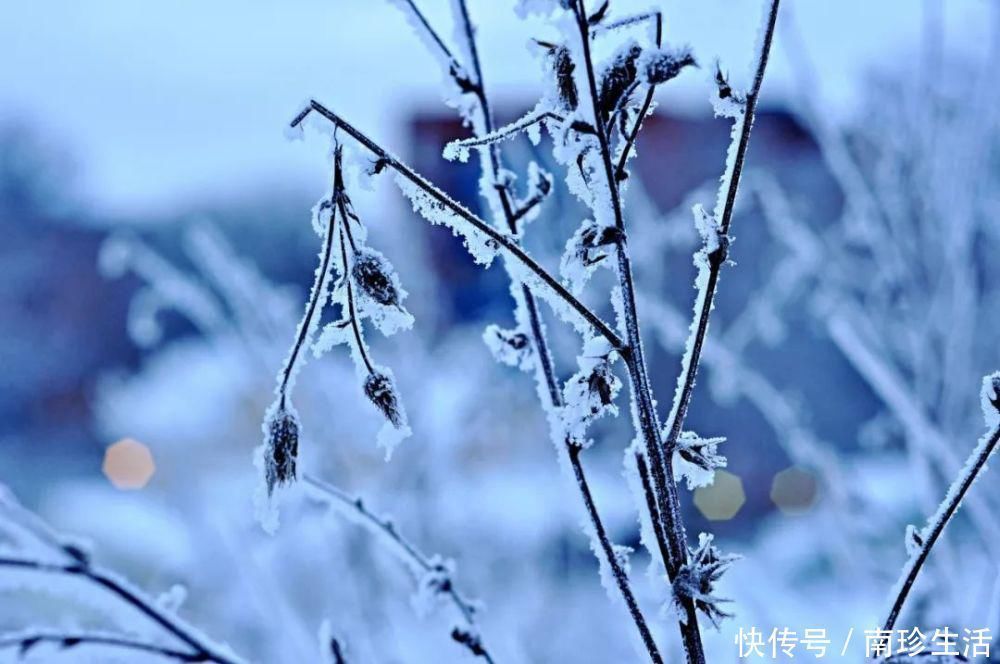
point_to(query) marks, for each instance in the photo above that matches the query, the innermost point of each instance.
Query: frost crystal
(380, 292)
(990, 399)
(510, 347)
(696, 459)
(590, 393)
(696, 580)
(914, 540)
(281, 429)
(381, 391)
(662, 64)
(482, 247)
(432, 587)
(588, 247)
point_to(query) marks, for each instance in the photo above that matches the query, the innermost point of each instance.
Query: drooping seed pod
(661, 65)
(381, 391)
(617, 78)
(375, 277)
(563, 68)
(282, 449)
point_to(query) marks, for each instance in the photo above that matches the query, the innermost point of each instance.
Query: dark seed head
(282, 449)
(665, 65)
(617, 79)
(373, 276)
(563, 67)
(380, 391)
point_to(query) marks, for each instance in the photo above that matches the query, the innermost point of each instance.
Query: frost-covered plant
(33, 556)
(367, 287)
(593, 111)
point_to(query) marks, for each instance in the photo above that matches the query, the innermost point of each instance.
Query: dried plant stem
(646, 103)
(948, 508)
(666, 499)
(545, 361)
(356, 509)
(204, 651)
(512, 248)
(24, 641)
(703, 311)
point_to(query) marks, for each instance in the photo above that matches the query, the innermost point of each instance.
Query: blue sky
(165, 102)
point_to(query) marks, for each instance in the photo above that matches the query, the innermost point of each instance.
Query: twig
(545, 363)
(355, 509)
(975, 465)
(556, 289)
(717, 259)
(24, 641)
(503, 133)
(317, 295)
(667, 500)
(146, 607)
(646, 103)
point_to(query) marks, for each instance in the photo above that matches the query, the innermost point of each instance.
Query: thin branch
(975, 465)
(646, 103)
(131, 597)
(503, 133)
(355, 509)
(545, 361)
(25, 641)
(667, 500)
(718, 258)
(556, 289)
(317, 295)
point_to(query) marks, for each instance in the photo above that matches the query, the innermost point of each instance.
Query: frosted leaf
(380, 388)
(433, 586)
(914, 540)
(590, 393)
(990, 399)
(727, 102)
(696, 459)
(617, 78)
(510, 347)
(333, 334)
(539, 187)
(659, 65)
(482, 247)
(585, 251)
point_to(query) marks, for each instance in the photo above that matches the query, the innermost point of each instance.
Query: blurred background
(157, 251)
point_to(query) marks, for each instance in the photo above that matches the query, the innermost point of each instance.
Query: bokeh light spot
(794, 490)
(128, 464)
(721, 500)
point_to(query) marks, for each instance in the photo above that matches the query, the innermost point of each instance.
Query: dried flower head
(381, 391)
(282, 449)
(374, 277)
(662, 65)
(617, 78)
(696, 579)
(563, 68)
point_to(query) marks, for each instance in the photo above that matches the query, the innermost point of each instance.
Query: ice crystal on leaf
(590, 393)
(696, 459)
(510, 347)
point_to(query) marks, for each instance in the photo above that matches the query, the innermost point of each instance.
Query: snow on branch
(433, 574)
(480, 236)
(367, 287)
(38, 550)
(920, 542)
